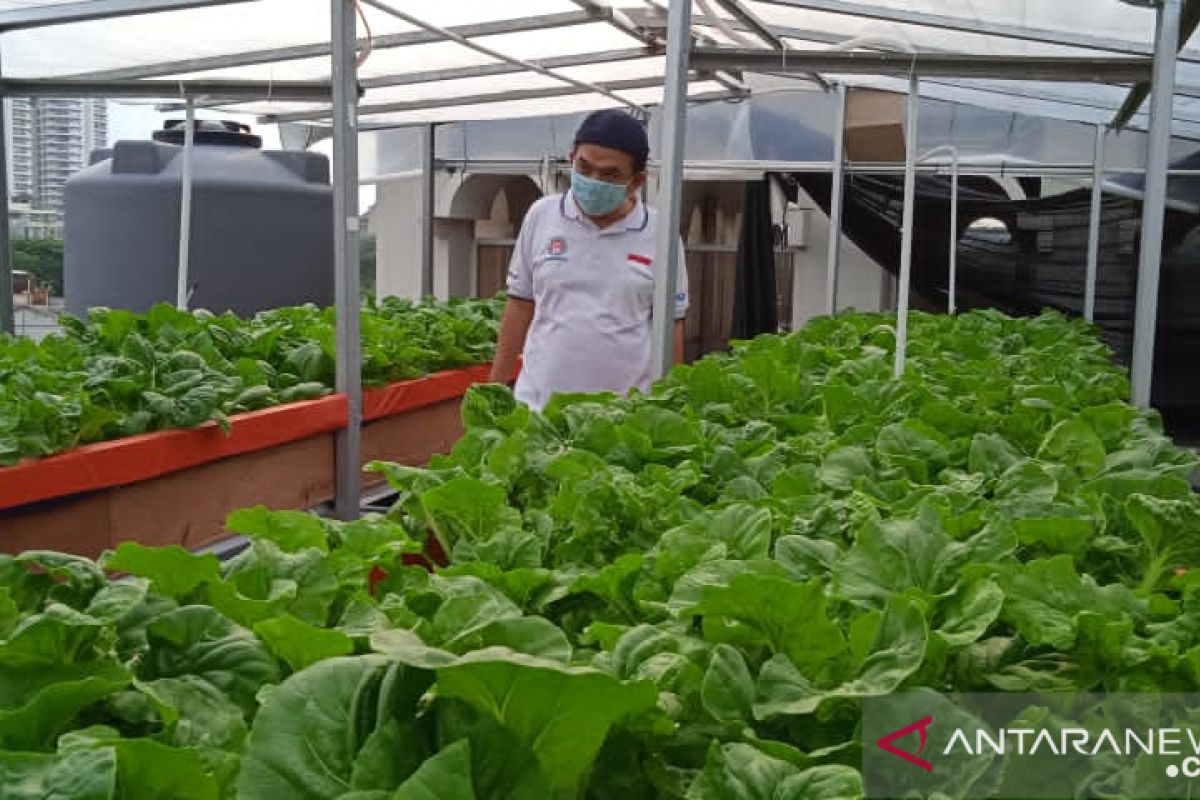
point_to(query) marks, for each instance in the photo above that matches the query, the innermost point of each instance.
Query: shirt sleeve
(520, 267)
(682, 297)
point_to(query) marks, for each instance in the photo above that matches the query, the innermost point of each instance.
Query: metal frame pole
(670, 184)
(1093, 251)
(906, 242)
(428, 209)
(8, 319)
(952, 300)
(345, 256)
(185, 208)
(836, 203)
(1157, 161)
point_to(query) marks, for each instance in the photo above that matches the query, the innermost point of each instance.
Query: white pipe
(672, 135)
(952, 301)
(836, 204)
(182, 295)
(1158, 154)
(906, 241)
(1093, 251)
(346, 297)
(873, 43)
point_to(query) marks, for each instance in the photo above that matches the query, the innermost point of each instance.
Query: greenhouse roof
(593, 54)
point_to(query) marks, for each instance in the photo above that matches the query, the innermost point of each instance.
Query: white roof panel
(549, 43)
(273, 29)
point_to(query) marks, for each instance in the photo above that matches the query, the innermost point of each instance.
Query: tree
(43, 258)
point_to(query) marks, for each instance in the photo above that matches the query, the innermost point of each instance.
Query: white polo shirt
(593, 295)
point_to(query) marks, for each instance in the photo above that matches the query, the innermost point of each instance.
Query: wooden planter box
(177, 487)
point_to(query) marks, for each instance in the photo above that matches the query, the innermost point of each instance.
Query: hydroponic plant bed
(177, 486)
(122, 378)
(119, 374)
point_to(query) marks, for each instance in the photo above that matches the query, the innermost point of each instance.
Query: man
(581, 280)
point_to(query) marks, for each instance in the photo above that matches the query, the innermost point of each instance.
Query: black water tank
(262, 224)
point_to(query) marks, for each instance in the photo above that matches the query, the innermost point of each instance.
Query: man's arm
(514, 327)
(678, 341)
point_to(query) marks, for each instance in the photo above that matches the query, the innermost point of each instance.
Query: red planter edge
(118, 462)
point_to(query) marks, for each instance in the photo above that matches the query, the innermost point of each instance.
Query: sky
(130, 121)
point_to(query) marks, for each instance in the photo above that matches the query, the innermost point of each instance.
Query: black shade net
(1021, 256)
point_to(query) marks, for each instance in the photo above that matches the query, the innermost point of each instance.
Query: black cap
(618, 130)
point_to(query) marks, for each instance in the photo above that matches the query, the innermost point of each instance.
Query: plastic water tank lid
(222, 132)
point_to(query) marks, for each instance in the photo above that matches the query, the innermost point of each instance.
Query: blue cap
(618, 130)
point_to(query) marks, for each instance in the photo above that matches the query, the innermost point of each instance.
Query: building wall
(29, 223)
(396, 224)
(862, 284)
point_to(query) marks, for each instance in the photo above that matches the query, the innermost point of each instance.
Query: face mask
(597, 198)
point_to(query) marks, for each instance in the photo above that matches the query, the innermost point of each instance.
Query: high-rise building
(20, 152)
(51, 138)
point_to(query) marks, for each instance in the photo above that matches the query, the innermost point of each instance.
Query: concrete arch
(483, 208)
(499, 198)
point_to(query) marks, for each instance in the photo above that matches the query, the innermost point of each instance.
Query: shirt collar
(634, 222)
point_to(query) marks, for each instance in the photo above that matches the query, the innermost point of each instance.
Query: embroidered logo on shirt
(645, 261)
(557, 248)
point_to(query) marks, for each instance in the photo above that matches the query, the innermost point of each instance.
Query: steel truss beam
(367, 125)
(751, 22)
(463, 41)
(980, 27)
(1024, 68)
(490, 70)
(652, 20)
(41, 16)
(322, 49)
(465, 100)
(296, 91)
(1076, 102)
(1137, 95)
(822, 37)
(474, 71)
(619, 19)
